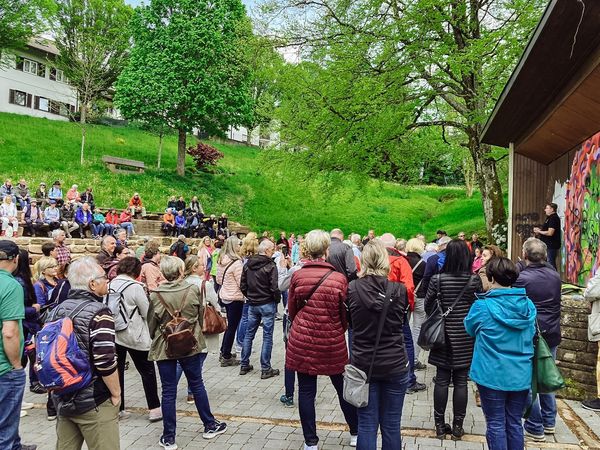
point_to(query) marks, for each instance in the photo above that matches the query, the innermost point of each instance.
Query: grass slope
(45, 150)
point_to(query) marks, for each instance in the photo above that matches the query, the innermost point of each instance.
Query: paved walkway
(257, 420)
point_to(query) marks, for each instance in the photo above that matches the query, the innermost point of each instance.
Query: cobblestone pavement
(256, 419)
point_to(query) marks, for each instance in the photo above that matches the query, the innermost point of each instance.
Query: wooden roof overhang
(551, 102)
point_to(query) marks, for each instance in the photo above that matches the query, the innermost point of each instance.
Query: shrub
(204, 155)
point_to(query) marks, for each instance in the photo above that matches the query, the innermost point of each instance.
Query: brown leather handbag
(178, 332)
(214, 322)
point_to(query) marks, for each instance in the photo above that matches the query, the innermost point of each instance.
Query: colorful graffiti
(582, 214)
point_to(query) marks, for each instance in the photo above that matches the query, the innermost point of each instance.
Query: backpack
(114, 301)
(61, 365)
(178, 332)
(178, 249)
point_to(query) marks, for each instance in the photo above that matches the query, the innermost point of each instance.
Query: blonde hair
(172, 267)
(249, 245)
(415, 245)
(316, 243)
(44, 263)
(191, 265)
(374, 259)
(231, 249)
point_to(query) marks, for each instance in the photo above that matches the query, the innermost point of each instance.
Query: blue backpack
(61, 366)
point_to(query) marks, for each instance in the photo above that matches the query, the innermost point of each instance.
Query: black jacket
(365, 297)
(458, 351)
(542, 285)
(259, 282)
(418, 272)
(342, 258)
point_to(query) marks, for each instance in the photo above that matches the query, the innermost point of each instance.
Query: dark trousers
(83, 227)
(307, 391)
(289, 381)
(33, 227)
(552, 254)
(146, 370)
(459, 396)
(234, 315)
(410, 352)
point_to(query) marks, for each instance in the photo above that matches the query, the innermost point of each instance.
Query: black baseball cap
(8, 250)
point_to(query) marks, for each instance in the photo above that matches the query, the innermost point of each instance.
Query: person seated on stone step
(196, 206)
(8, 189)
(136, 206)
(22, 194)
(180, 204)
(56, 193)
(112, 218)
(33, 217)
(8, 217)
(84, 218)
(181, 223)
(125, 219)
(168, 225)
(88, 197)
(67, 219)
(192, 222)
(172, 203)
(42, 195)
(73, 196)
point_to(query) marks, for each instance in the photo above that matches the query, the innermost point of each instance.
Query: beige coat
(230, 280)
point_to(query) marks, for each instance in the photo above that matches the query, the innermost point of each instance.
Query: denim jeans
(256, 314)
(410, 352)
(543, 411)
(192, 367)
(307, 391)
(386, 398)
(234, 316)
(242, 327)
(98, 229)
(12, 386)
(128, 227)
(552, 254)
(503, 411)
(179, 373)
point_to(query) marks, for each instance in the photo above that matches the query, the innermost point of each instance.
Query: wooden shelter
(549, 117)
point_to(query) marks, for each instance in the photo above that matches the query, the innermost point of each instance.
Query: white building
(30, 84)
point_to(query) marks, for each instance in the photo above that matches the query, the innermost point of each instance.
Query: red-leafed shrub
(204, 155)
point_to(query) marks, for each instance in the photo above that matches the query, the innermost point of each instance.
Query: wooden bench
(118, 165)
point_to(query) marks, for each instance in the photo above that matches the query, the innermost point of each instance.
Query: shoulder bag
(223, 281)
(356, 382)
(213, 322)
(433, 333)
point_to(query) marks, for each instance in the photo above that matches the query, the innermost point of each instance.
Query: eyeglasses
(100, 278)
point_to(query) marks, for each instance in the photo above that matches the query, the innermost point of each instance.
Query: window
(30, 66)
(41, 103)
(57, 75)
(19, 98)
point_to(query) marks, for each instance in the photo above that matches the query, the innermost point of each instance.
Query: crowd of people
(362, 301)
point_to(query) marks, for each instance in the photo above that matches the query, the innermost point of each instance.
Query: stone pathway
(257, 420)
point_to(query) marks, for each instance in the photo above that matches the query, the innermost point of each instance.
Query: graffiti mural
(582, 214)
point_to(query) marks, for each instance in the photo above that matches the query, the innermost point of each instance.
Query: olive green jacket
(172, 292)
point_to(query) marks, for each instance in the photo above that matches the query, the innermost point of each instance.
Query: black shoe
(592, 405)
(420, 366)
(442, 429)
(37, 388)
(457, 432)
(416, 388)
(245, 369)
(269, 373)
(226, 362)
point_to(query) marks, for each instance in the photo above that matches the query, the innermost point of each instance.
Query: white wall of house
(28, 89)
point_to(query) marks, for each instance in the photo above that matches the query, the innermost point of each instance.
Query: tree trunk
(160, 146)
(249, 137)
(181, 144)
(83, 113)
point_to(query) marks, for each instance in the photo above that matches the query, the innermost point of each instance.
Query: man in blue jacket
(542, 284)
(84, 218)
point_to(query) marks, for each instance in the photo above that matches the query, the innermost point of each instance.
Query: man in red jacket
(401, 272)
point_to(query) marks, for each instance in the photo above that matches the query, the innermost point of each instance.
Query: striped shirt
(102, 343)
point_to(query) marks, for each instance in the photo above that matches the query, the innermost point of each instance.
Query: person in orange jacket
(168, 225)
(136, 206)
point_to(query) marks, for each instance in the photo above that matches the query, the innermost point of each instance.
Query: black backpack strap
(316, 286)
(382, 317)
(460, 296)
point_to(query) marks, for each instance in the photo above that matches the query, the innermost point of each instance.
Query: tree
(188, 67)
(93, 40)
(19, 21)
(427, 63)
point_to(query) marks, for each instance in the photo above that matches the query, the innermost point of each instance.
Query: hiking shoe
(420, 366)
(592, 405)
(37, 388)
(155, 415)
(531, 437)
(549, 430)
(226, 362)
(167, 445)
(214, 430)
(245, 369)
(268, 373)
(190, 400)
(288, 402)
(416, 388)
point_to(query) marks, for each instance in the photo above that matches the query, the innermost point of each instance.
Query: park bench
(119, 165)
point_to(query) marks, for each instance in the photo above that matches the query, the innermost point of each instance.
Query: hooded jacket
(365, 297)
(259, 282)
(502, 321)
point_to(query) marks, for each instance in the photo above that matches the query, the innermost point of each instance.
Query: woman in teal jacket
(502, 321)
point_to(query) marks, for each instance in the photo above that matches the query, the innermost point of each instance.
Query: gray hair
(355, 238)
(431, 247)
(172, 267)
(317, 242)
(337, 233)
(57, 233)
(82, 271)
(534, 250)
(374, 259)
(401, 245)
(105, 240)
(266, 244)
(388, 239)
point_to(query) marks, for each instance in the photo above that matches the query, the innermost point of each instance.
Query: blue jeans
(98, 229)
(410, 352)
(12, 386)
(543, 411)
(179, 373)
(503, 411)
(128, 227)
(242, 327)
(192, 367)
(552, 254)
(386, 398)
(256, 314)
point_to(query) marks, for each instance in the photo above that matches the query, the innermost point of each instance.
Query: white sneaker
(23, 413)
(124, 415)
(26, 405)
(353, 440)
(310, 447)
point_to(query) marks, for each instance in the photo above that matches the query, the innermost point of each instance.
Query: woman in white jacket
(8, 216)
(592, 294)
(135, 339)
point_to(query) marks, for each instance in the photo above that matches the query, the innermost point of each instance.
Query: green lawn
(45, 150)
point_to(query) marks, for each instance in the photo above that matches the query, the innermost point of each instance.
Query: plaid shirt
(63, 255)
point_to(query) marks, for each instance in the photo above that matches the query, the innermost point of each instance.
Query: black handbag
(433, 330)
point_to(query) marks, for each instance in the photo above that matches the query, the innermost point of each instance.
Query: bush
(204, 155)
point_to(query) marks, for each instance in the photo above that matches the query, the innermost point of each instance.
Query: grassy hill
(245, 187)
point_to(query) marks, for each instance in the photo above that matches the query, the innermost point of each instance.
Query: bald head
(337, 233)
(388, 239)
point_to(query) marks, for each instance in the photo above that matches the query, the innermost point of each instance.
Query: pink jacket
(230, 283)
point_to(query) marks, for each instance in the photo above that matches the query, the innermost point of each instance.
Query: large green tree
(93, 40)
(403, 65)
(188, 68)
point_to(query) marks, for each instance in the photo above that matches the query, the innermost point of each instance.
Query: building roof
(43, 44)
(550, 103)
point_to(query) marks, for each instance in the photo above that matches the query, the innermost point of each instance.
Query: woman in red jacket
(317, 340)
